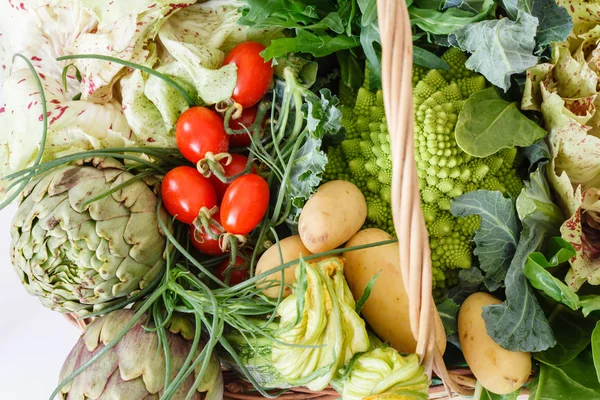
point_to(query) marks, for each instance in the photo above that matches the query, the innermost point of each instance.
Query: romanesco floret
(445, 172)
(364, 157)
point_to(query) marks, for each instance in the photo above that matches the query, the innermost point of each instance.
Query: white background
(34, 341)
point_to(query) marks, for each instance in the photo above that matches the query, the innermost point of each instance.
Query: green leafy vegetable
(519, 324)
(488, 123)
(596, 348)
(554, 21)
(487, 395)
(496, 239)
(540, 278)
(574, 380)
(446, 22)
(469, 281)
(572, 332)
(500, 48)
(427, 59)
(448, 311)
(307, 42)
(319, 28)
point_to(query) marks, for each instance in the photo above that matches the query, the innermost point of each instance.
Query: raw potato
(386, 310)
(291, 248)
(331, 216)
(499, 370)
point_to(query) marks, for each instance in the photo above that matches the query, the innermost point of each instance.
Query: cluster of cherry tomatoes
(231, 207)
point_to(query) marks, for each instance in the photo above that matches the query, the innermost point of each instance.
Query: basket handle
(415, 254)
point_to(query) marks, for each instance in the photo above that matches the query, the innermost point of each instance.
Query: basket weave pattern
(415, 259)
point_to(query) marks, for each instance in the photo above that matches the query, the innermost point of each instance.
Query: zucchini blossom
(320, 330)
(381, 374)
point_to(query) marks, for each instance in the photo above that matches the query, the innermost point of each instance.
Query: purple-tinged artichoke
(135, 368)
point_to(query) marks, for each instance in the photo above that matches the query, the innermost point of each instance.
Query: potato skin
(386, 310)
(499, 370)
(291, 248)
(331, 216)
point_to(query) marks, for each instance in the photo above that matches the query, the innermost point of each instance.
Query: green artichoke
(135, 368)
(82, 258)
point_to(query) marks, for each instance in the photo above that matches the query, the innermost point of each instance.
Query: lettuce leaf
(73, 126)
(582, 231)
(42, 31)
(123, 31)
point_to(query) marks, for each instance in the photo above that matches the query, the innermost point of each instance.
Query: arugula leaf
(519, 324)
(572, 332)
(370, 41)
(540, 278)
(307, 42)
(446, 22)
(496, 239)
(555, 23)
(500, 48)
(569, 381)
(368, 8)
(487, 123)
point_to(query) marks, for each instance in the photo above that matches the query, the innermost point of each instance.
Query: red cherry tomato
(245, 121)
(200, 130)
(185, 191)
(237, 165)
(244, 204)
(238, 273)
(204, 243)
(254, 74)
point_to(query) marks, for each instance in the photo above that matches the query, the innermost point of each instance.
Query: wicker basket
(396, 39)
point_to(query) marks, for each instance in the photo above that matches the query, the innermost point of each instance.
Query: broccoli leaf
(445, 22)
(554, 21)
(469, 282)
(473, 6)
(448, 311)
(487, 123)
(519, 324)
(496, 239)
(500, 48)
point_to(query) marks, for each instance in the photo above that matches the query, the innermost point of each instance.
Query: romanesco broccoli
(444, 170)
